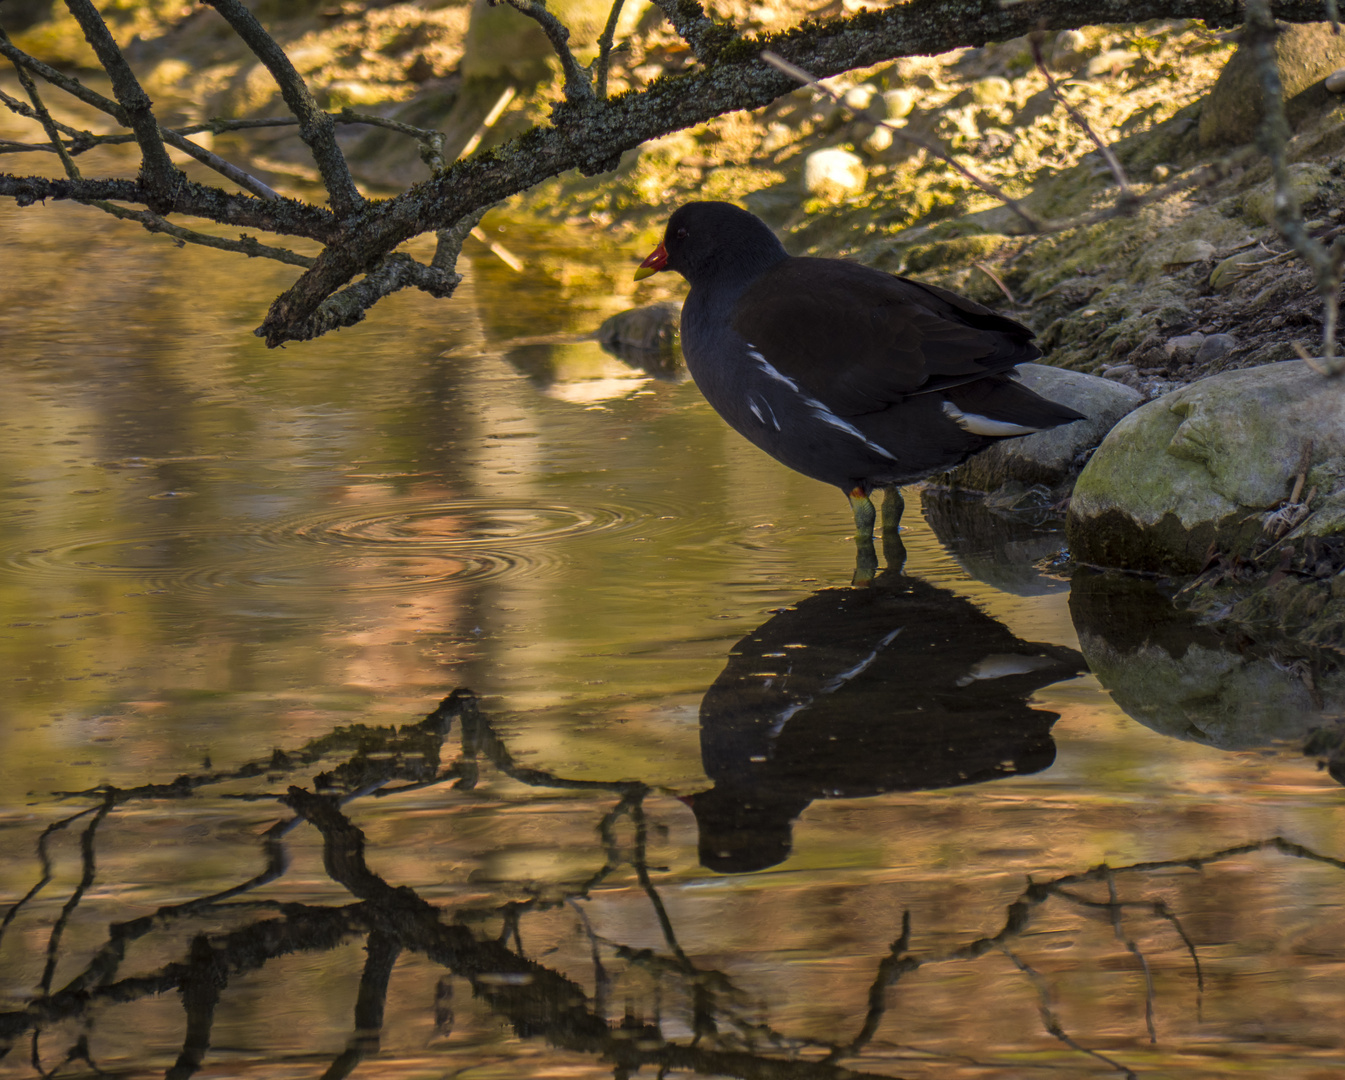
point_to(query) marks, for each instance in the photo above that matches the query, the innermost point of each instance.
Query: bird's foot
(866, 559)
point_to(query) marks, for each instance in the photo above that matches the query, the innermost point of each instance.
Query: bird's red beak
(657, 260)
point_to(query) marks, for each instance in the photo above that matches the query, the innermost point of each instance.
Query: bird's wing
(857, 339)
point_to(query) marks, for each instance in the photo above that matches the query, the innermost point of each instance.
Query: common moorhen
(847, 374)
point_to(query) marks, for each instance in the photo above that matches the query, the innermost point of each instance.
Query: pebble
(1213, 347)
(1193, 251)
(1335, 82)
(899, 103)
(878, 140)
(1233, 268)
(833, 174)
(1111, 62)
(991, 91)
(1184, 343)
(857, 98)
(1067, 50)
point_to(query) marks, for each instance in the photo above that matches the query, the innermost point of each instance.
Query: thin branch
(1051, 1021)
(67, 83)
(316, 128)
(160, 173)
(245, 180)
(488, 122)
(578, 89)
(1327, 264)
(48, 124)
(696, 28)
(243, 246)
(604, 59)
(1118, 173)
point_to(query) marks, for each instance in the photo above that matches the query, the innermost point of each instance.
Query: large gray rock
(1207, 466)
(1305, 54)
(1051, 458)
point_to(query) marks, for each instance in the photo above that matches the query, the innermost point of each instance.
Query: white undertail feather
(984, 425)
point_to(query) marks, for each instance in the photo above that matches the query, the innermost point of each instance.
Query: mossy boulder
(1305, 54)
(1206, 468)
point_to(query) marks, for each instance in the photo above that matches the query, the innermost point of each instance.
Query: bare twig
(578, 89)
(496, 111)
(1326, 263)
(603, 61)
(499, 251)
(160, 173)
(48, 124)
(245, 180)
(244, 246)
(1051, 1021)
(1118, 174)
(316, 127)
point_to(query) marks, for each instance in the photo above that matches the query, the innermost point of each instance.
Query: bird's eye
(681, 234)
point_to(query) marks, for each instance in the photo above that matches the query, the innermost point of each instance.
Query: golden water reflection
(243, 568)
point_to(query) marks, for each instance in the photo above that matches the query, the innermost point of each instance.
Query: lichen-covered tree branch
(588, 131)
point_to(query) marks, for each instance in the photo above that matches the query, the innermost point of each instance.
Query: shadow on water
(901, 686)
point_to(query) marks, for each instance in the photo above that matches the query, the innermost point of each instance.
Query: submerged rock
(1212, 467)
(1052, 458)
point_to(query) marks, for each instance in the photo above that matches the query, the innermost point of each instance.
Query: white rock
(833, 174)
(899, 103)
(878, 140)
(1335, 82)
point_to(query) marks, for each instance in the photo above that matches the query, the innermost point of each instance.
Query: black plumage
(844, 373)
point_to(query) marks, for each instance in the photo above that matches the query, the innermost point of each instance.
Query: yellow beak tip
(643, 272)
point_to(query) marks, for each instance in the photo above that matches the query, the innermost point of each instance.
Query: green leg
(893, 549)
(866, 559)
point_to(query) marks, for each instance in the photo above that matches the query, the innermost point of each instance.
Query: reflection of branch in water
(44, 860)
(1052, 1022)
(727, 1030)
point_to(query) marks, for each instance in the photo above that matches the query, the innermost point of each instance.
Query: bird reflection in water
(901, 686)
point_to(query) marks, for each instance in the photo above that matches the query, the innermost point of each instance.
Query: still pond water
(696, 806)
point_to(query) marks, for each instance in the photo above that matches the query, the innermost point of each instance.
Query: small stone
(1213, 347)
(991, 91)
(878, 140)
(857, 98)
(1118, 371)
(898, 103)
(1335, 82)
(834, 174)
(1184, 343)
(1067, 52)
(1233, 269)
(1111, 62)
(1161, 173)
(777, 137)
(1193, 251)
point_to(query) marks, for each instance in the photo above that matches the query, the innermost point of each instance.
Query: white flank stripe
(983, 425)
(819, 410)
